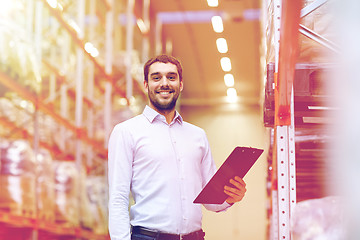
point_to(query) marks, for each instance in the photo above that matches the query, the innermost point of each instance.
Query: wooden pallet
(48, 216)
(17, 209)
(66, 223)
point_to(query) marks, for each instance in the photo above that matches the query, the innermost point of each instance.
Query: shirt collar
(151, 114)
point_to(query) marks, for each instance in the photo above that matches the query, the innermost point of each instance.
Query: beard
(163, 104)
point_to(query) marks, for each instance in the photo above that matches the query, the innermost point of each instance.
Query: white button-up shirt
(165, 166)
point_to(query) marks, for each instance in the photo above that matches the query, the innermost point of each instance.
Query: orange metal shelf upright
(286, 22)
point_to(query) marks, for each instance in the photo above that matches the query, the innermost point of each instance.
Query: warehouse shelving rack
(285, 108)
(102, 75)
(51, 229)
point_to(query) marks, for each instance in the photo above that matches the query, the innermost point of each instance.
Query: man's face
(163, 86)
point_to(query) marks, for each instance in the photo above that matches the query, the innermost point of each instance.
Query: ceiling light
(221, 45)
(55, 4)
(123, 101)
(225, 64)
(89, 47)
(141, 25)
(73, 24)
(24, 104)
(229, 80)
(52, 3)
(217, 24)
(213, 3)
(231, 94)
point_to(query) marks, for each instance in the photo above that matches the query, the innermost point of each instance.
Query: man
(164, 162)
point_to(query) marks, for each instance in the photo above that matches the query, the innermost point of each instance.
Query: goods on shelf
(319, 21)
(87, 219)
(17, 111)
(66, 193)
(80, 200)
(321, 218)
(312, 99)
(45, 189)
(18, 59)
(313, 179)
(17, 178)
(97, 193)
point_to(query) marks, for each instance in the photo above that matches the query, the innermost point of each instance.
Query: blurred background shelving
(57, 82)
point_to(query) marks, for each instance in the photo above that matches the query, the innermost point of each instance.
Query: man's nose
(164, 81)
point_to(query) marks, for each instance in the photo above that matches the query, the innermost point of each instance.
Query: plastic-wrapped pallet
(318, 219)
(319, 21)
(66, 193)
(87, 219)
(97, 192)
(17, 178)
(45, 186)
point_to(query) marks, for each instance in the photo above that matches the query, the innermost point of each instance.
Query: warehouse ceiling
(187, 25)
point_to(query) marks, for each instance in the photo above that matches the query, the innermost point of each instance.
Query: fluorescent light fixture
(221, 45)
(217, 24)
(229, 80)
(231, 94)
(180, 17)
(225, 64)
(213, 3)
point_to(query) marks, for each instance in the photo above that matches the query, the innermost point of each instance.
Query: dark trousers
(140, 233)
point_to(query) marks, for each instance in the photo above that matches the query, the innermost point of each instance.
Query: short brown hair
(164, 59)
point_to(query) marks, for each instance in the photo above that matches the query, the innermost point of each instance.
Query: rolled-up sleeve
(120, 157)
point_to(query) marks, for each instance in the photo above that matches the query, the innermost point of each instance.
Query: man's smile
(165, 92)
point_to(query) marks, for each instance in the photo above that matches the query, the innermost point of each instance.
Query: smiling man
(164, 162)
(163, 83)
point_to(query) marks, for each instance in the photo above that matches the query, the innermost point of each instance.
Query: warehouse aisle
(225, 130)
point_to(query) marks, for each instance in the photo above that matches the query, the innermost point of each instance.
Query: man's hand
(237, 192)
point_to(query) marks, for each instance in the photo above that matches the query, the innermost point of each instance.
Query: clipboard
(238, 163)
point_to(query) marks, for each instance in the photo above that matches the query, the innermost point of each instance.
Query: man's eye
(171, 77)
(156, 78)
